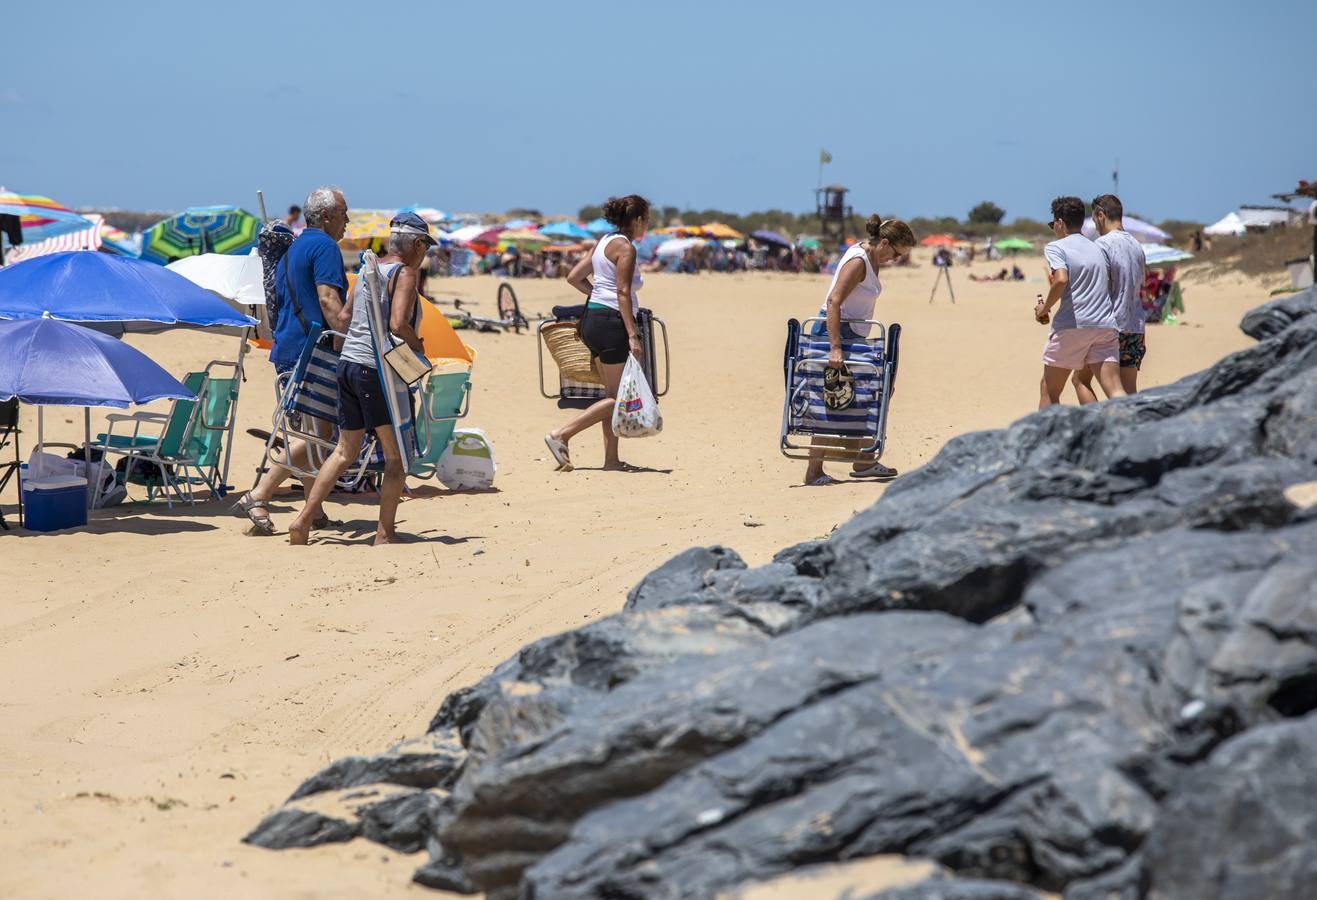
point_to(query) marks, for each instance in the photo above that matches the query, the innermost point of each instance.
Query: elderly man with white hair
(361, 403)
(311, 285)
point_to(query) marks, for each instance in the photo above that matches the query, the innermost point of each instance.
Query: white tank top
(860, 302)
(605, 278)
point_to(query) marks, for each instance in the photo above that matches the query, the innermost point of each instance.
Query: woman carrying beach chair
(840, 399)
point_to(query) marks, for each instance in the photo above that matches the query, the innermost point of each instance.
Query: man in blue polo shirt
(311, 286)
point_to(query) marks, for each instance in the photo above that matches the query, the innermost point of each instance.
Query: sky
(926, 109)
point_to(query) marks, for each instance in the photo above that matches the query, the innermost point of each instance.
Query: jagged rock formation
(1070, 656)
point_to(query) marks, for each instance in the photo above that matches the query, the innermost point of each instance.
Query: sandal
(877, 470)
(247, 505)
(559, 450)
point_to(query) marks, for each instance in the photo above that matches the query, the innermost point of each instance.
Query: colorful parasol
(200, 229)
(97, 236)
(523, 239)
(40, 217)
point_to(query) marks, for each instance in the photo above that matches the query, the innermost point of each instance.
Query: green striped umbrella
(201, 229)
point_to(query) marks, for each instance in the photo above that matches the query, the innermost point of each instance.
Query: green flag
(824, 157)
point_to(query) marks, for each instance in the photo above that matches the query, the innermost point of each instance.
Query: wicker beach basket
(570, 353)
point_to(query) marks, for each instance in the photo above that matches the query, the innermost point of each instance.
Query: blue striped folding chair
(459, 262)
(308, 398)
(840, 433)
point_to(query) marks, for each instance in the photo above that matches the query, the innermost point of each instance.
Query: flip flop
(261, 524)
(822, 481)
(559, 450)
(877, 470)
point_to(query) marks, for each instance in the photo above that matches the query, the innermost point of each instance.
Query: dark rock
(1244, 825)
(634, 738)
(426, 762)
(684, 574)
(1272, 318)
(1038, 661)
(401, 818)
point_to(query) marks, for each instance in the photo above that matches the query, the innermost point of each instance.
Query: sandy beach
(169, 680)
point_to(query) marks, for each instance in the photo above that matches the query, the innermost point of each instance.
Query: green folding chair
(445, 398)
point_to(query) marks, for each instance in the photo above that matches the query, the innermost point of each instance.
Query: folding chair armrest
(137, 417)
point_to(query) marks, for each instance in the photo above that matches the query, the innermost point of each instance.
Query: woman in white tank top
(852, 297)
(609, 328)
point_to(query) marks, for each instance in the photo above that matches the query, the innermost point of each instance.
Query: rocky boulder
(1032, 666)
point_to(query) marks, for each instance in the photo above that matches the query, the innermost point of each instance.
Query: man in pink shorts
(1084, 330)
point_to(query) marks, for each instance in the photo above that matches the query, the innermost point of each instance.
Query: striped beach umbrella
(40, 217)
(201, 229)
(96, 236)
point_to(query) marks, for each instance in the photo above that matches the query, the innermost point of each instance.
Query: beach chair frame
(573, 393)
(294, 409)
(882, 362)
(170, 440)
(9, 434)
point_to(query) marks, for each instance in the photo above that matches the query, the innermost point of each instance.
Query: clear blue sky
(926, 108)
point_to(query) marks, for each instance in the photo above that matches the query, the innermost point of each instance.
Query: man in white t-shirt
(1084, 331)
(1125, 266)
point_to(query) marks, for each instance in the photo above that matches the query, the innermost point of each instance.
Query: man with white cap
(361, 403)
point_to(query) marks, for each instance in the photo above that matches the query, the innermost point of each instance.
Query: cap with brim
(410, 223)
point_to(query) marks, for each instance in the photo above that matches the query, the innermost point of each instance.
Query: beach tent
(1229, 224)
(1144, 232)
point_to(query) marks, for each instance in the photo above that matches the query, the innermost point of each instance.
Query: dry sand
(168, 680)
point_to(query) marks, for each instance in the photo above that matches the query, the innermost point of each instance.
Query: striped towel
(316, 390)
(811, 415)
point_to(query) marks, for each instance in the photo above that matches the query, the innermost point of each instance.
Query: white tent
(678, 246)
(1230, 223)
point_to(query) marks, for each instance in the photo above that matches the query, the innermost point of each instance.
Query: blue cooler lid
(53, 483)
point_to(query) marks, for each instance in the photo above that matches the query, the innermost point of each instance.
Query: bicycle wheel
(509, 310)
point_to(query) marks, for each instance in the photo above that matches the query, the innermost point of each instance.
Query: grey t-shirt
(1086, 302)
(1125, 262)
(358, 346)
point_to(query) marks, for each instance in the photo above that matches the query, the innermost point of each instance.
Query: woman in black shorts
(609, 328)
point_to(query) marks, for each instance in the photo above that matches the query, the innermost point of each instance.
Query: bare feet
(382, 538)
(298, 533)
(617, 466)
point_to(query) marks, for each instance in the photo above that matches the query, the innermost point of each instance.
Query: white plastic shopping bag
(468, 463)
(637, 411)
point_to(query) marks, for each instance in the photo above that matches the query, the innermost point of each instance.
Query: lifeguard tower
(833, 214)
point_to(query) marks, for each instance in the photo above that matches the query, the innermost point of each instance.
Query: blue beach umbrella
(599, 226)
(567, 230)
(770, 237)
(45, 362)
(97, 287)
(51, 363)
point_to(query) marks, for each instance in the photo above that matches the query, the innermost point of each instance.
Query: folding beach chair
(306, 394)
(459, 262)
(578, 386)
(9, 435)
(187, 448)
(840, 433)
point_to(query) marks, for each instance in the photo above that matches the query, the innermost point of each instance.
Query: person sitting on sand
(1084, 329)
(361, 402)
(609, 327)
(313, 270)
(851, 299)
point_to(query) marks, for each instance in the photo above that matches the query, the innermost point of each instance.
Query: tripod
(943, 272)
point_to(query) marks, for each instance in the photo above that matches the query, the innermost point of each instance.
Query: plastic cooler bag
(637, 411)
(468, 463)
